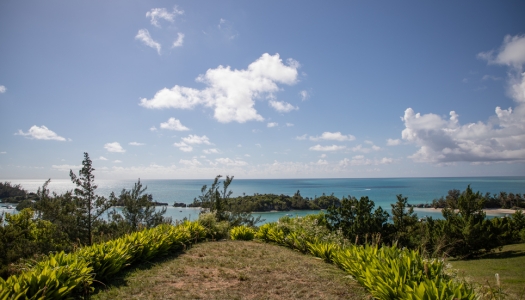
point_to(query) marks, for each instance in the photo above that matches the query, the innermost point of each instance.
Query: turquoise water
(382, 191)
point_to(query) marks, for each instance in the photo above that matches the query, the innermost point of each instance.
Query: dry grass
(235, 270)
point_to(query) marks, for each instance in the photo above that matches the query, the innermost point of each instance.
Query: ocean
(382, 191)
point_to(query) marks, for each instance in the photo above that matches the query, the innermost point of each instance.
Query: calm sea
(382, 191)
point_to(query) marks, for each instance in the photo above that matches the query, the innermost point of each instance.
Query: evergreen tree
(405, 222)
(89, 206)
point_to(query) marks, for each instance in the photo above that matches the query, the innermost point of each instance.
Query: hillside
(234, 270)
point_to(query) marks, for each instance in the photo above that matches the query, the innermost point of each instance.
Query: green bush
(242, 232)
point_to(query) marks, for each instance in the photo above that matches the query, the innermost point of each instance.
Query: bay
(382, 191)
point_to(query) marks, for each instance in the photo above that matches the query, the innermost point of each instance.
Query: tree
(357, 218)
(218, 201)
(138, 209)
(89, 206)
(404, 222)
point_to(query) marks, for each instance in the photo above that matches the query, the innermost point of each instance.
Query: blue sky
(267, 89)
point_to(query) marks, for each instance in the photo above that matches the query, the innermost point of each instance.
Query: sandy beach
(488, 211)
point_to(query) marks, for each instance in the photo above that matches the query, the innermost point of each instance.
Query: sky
(262, 89)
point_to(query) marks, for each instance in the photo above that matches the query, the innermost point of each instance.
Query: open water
(382, 191)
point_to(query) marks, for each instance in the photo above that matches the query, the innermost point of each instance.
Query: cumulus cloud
(500, 138)
(195, 139)
(153, 128)
(272, 124)
(231, 162)
(40, 133)
(144, 36)
(333, 136)
(231, 93)
(173, 124)
(117, 161)
(327, 148)
(282, 106)
(393, 142)
(179, 41)
(210, 151)
(157, 14)
(360, 148)
(289, 124)
(361, 160)
(183, 147)
(301, 137)
(102, 158)
(114, 147)
(3, 89)
(136, 144)
(321, 162)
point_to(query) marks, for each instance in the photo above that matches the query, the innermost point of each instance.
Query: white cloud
(183, 147)
(393, 142)
(323, 155)
(65, 167)
(136, 144)
(3, 152)
(179, 41)
(40, 133)
(360, 148)
(144, 36)
(511, 52)
(327, 148)
(334, 136)
(272, 124)
(289, 124)
(304, 95)
(117, 161)
(231, 93)
(114, 147)
(191, 163)
(231, 162)
(500, 138)
(157, 14)
(361, 160)
(211, 151)
(321, 162)
(153, 128)
(3, 89)
(173, 124)
(195, 139)
(282, 106)
(102, 158)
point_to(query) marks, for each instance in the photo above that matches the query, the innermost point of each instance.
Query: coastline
(488, 211)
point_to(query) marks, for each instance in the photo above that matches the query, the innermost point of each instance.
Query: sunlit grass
(509, 264)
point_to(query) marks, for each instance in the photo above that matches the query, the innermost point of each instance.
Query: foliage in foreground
(61, 275)
(387, 272)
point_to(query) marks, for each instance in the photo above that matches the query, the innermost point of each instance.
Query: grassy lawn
(234, 270)
(509, 264)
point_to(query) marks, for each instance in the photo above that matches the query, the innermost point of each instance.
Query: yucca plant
(242, 232)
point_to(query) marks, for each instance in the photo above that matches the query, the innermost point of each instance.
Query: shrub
(242, 232)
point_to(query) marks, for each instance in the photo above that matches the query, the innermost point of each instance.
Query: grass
(234, 270)
(508, 263)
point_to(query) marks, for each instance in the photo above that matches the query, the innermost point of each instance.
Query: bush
(242, 232)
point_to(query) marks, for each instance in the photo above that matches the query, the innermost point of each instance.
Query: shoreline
(488, 211)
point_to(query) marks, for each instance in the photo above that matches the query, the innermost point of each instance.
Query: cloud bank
(499, 139)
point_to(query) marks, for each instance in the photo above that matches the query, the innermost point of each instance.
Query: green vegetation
(501, 200)
(62, 246)
(15, 194)
(508, 264)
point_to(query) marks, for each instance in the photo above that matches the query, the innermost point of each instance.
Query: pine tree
(89, 206)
